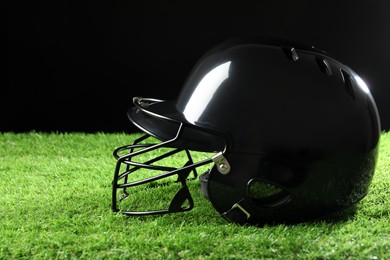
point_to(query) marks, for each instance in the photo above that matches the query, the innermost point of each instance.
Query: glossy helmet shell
(301, 128)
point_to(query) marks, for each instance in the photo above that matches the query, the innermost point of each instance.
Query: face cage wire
(182, 195)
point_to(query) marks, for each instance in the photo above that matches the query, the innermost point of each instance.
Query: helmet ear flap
(233, 196)
(227, 192)
(263, 193)
(257, 189)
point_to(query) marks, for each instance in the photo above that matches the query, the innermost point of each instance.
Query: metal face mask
(127, 166)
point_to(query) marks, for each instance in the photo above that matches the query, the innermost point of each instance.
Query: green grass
(56, 196)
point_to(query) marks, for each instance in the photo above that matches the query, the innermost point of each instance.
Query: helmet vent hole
(291, 53)
(324, 66)
(347, 79)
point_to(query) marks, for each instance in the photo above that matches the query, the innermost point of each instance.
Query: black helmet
(294, 134)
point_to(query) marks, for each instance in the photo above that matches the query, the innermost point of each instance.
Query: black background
(71, 66)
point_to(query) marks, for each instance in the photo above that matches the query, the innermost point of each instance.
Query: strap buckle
(238, 213)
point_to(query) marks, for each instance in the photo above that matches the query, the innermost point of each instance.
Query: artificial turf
(55, 199)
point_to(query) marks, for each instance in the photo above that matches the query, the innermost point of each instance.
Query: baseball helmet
(292, 135)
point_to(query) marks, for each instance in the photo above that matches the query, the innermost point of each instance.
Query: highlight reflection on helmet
(293, 134)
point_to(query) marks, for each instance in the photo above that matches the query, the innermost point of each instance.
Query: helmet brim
(169, 123)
